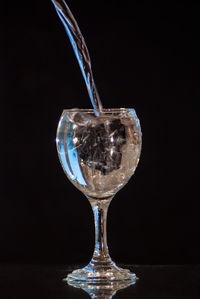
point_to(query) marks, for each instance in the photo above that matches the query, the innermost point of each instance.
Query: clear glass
(99, 154)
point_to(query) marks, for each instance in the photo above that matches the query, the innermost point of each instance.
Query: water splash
(80, 50)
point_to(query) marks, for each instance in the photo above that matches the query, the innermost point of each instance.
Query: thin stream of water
(80, 50)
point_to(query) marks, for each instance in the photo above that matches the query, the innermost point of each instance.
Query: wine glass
(99, 154)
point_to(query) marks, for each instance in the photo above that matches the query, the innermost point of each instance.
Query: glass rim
(93, 110)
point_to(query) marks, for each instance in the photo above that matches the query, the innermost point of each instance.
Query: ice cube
(82, 119)
(100, 142)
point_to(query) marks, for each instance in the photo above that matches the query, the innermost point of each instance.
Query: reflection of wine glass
(99, 154)
(101, 291)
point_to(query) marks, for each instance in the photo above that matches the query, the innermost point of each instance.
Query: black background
(145, 55)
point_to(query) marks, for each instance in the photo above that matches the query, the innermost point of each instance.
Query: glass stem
(100, 209)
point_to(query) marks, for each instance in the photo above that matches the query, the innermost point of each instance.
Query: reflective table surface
(45, 281)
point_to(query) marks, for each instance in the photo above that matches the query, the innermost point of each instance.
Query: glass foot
(101, 272)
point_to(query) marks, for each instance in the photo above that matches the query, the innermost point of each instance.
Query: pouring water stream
(80, 50)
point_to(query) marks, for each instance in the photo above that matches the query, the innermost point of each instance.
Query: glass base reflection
(102, 289)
